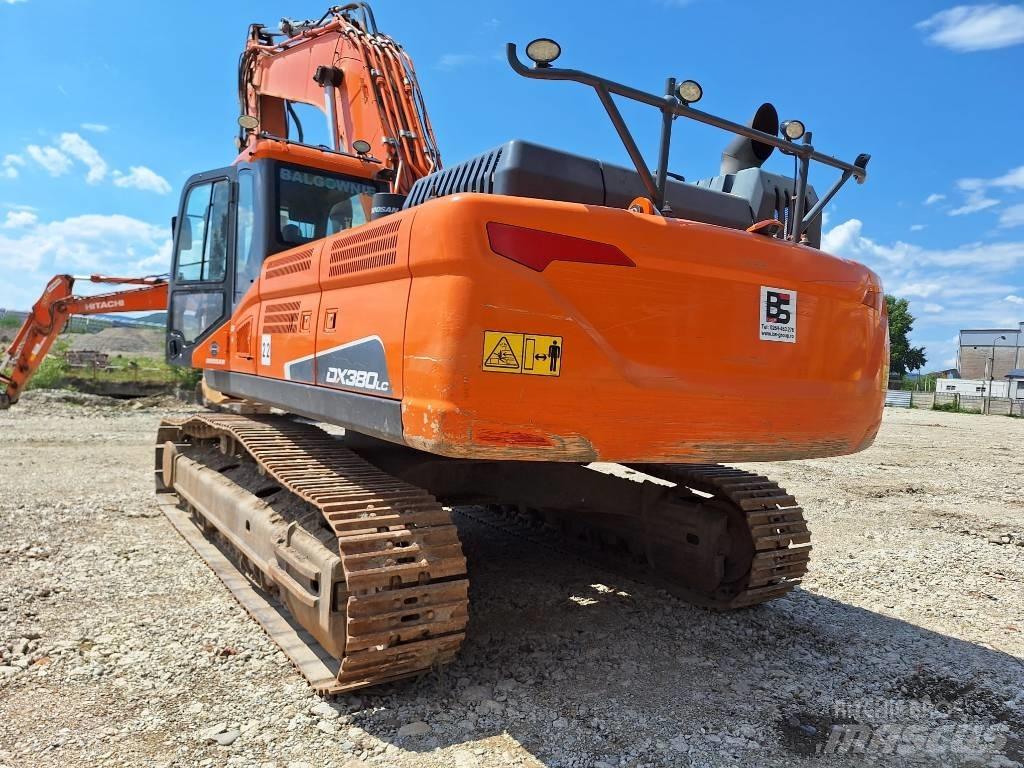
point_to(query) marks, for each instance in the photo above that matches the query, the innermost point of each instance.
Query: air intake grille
(475, 175)
(290, 264)
(366, 249)
(282, 317)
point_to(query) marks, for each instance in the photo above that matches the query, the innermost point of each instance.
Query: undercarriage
(344, 548)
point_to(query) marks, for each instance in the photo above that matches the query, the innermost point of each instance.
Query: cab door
(202, 272)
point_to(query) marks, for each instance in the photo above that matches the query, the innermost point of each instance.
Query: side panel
(289, 302)
(364, 274)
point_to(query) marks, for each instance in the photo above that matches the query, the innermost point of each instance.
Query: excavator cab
(231, 219)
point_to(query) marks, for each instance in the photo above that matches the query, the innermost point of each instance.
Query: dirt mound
(46, 397)
(147, 342)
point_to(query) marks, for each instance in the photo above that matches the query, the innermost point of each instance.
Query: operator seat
(292, 234)
(340, 217)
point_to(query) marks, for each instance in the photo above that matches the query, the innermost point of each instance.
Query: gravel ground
(119, 647)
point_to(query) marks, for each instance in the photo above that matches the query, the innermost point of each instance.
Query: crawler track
(405, 593)
(775, 524)
(771, 541)
(400, 605)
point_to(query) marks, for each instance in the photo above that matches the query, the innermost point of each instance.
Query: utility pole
(991, 375)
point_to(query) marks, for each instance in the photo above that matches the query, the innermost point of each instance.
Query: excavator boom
(362, 80)
(50, 314)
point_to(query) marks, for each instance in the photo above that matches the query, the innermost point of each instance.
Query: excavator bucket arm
(362, 80)
(50, 314)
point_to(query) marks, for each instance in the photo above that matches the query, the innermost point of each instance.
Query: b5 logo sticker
(778, 314)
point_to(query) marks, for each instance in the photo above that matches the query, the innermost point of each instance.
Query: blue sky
(108, 114)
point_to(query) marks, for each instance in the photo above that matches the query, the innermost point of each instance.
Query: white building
(1012, 388)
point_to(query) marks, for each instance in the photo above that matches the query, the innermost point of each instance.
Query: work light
(543, 51)
(793, 129)
(689, 91)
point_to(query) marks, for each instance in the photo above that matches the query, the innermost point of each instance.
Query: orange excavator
(50, 315)
(549, 342)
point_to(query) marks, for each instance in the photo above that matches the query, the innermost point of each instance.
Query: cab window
(247, 266)
(193, 312)
(312, 204)
(203, 233)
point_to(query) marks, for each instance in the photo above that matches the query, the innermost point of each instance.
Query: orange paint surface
(660, 362)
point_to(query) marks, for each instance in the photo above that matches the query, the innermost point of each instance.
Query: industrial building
(990, 353)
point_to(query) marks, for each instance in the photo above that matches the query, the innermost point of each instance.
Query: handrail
(670, 107)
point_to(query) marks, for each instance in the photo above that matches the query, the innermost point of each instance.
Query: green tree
(902, 357)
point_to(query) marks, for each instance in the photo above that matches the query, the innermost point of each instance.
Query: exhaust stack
(742, 153)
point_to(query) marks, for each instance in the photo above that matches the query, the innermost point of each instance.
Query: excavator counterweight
(485, 333)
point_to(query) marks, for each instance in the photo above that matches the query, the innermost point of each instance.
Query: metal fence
(996, 406)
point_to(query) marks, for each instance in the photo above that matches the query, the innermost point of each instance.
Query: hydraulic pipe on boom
(50, 314)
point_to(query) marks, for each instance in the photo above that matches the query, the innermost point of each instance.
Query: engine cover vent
(474, 175)
(523, 169)
(367, 248)
(282, 317)
(289, 264)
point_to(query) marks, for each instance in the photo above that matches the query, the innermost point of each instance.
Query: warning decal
(502, 355)
(524, 353)
(778, 314)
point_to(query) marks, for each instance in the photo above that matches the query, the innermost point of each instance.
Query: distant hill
(154, 317)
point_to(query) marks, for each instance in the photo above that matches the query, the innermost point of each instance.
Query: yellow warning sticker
(526, 353)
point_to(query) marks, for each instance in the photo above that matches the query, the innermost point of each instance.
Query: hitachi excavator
(490, 335)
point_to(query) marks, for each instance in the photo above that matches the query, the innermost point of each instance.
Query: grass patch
(954, 408)
(53, 370)
(140, 370)
(55, 373)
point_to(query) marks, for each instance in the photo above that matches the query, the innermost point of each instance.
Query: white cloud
(13, 2)
(1012, 216)
(966, 28)
(933, 198)
(19, 219)
(80, 149)
(95, 127)
(1013, 179)
(141, 177)
(449, 62)
(960, 287)
(52, 159)
(976, 201)
(9, 169)
(841, 237)
(114, 244)
(917, 227)
(1015, 299)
